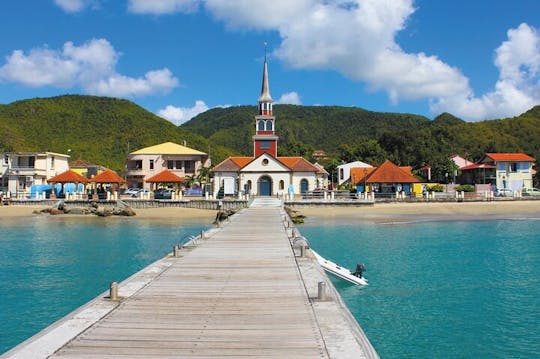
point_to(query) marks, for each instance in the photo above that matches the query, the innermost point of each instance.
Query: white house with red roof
(512, 170)
(266, 173)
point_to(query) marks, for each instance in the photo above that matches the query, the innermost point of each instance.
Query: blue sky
(475, 59)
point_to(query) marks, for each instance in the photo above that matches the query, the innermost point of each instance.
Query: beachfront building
(149, 161)
(509, 170)
(344, 170)
(388, 179)
(265, 173)
(19, 171)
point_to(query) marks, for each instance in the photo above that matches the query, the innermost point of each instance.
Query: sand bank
(384, 212)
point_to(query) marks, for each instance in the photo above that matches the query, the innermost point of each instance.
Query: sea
(437, 289)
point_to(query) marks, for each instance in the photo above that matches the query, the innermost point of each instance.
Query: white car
(504, 192)
(530, 192)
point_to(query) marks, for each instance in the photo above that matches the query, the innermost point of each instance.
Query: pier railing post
(176, 251)
(113, 291)
(321, 291)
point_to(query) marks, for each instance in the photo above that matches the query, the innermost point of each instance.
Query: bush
(465, 188)
(436, 188)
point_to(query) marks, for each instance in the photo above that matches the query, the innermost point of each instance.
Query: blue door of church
(265, 186)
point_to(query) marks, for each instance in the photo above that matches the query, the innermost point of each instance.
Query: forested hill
(101, 130)
(347, 133)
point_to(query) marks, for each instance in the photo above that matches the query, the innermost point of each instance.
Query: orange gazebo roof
(107, 176)
(165, 176)
(68, 177)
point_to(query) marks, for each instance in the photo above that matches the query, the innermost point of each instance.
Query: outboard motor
(360, 268)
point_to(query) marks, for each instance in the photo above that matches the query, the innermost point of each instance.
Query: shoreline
(419, 212)
(380, 212)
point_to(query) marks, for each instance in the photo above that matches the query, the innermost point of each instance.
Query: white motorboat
(340, 272)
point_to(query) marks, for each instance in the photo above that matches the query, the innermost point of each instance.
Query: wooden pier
(239, 292)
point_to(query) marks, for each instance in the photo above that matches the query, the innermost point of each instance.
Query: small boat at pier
(340, 272)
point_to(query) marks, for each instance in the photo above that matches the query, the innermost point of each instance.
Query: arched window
(269, 125)
(281, 185)
(260, 125)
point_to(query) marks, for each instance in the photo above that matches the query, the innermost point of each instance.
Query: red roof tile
(107, 176)
(475, 166)
(165, 176)
(299, 164)
(68, 177)
(358, 173)
(504, 157)
(390, 173)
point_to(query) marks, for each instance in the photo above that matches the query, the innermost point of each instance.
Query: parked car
(139, 192)
(131, 191)
(530, 192)
(504, 192)
(163, 193)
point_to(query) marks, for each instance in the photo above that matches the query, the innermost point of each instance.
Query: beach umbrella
(68, 176)
(165, 176)
(108, 176)
(68, 181)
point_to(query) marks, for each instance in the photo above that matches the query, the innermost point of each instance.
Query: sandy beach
(391, 212)
(380, 212)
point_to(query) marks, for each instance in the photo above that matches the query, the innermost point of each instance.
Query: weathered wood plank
(237, 294)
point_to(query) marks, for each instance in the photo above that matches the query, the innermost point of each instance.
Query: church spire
(265, 139)
(265, 88)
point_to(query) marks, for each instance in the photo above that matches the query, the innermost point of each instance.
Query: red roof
(165, 176)
(297, 164)
(386, 173)
(358, 173)
(107, 176)
(506, 157)
(475, 166)
(68, 177)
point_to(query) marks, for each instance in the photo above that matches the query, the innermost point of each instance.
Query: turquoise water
(437, 289)
(441, 289)
(49, 266)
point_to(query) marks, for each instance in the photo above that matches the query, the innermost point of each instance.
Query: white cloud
(90, 66)
(358, 39)
(161, 7)
(290, 98)
(518, 86)
(73, 5)
(179, 115)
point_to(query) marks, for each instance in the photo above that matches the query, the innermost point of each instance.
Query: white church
(265, 173)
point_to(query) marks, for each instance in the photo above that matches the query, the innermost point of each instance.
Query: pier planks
(238, 294)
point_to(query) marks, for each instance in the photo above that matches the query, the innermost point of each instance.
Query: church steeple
(265, 140)
(265, 100)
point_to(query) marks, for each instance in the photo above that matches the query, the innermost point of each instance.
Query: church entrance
(265, 186)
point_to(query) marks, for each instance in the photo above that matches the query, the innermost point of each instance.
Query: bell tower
(265, 139)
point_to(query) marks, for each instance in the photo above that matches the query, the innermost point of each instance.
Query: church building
(266, 173)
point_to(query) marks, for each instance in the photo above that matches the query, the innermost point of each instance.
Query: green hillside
(348, 134)
(101, 130)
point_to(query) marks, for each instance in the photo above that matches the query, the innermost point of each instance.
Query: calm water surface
(437, 289)
(49, 266)
(441, 289)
